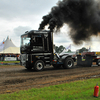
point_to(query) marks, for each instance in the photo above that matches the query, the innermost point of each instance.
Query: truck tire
(39, 65)
(98, 62)
(68, 63)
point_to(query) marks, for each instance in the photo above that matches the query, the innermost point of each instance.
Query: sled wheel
(98, 62)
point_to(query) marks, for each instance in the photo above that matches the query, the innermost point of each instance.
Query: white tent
(9, 47)
(14, 50)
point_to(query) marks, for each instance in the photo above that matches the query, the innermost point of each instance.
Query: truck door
(46, 45)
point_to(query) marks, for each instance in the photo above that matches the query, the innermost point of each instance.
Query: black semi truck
(37, 51)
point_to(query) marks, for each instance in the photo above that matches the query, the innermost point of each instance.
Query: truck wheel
(98, 62)
(69, 63)
(39, 65)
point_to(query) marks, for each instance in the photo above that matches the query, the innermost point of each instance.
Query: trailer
(87, 58)
(37, 51)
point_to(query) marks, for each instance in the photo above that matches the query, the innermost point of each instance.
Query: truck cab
(36, 49)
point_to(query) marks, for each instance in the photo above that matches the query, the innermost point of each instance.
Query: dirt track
(15, 78)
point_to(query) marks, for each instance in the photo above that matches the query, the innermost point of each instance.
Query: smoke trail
(82, 16)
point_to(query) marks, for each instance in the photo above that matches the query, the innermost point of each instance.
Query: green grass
(80, 90)
(9, 61)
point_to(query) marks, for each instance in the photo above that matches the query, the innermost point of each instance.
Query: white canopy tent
(14, 50)
(9, 47)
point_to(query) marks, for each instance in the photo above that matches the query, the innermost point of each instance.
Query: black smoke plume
(82, 16)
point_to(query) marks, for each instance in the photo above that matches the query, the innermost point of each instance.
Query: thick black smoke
(82, 16)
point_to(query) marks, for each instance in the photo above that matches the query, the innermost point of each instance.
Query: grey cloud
(19, 8)
(21, 30)
(61, 40)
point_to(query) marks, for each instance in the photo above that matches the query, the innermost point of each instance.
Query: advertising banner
(10, 58)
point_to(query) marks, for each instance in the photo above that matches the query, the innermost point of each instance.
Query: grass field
(79, 90)
(9, 61)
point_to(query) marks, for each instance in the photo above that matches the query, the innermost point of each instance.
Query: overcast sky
(18, 16)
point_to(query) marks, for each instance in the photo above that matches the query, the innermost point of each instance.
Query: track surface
(15, 78)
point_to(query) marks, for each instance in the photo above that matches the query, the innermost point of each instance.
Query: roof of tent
(9, 47)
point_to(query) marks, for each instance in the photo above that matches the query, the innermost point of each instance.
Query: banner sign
(10, 58)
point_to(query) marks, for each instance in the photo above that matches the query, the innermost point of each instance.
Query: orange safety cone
(96, 91)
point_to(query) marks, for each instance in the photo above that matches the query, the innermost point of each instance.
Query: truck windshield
(25, 40)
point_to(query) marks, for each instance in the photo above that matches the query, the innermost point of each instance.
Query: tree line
(59, 49)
